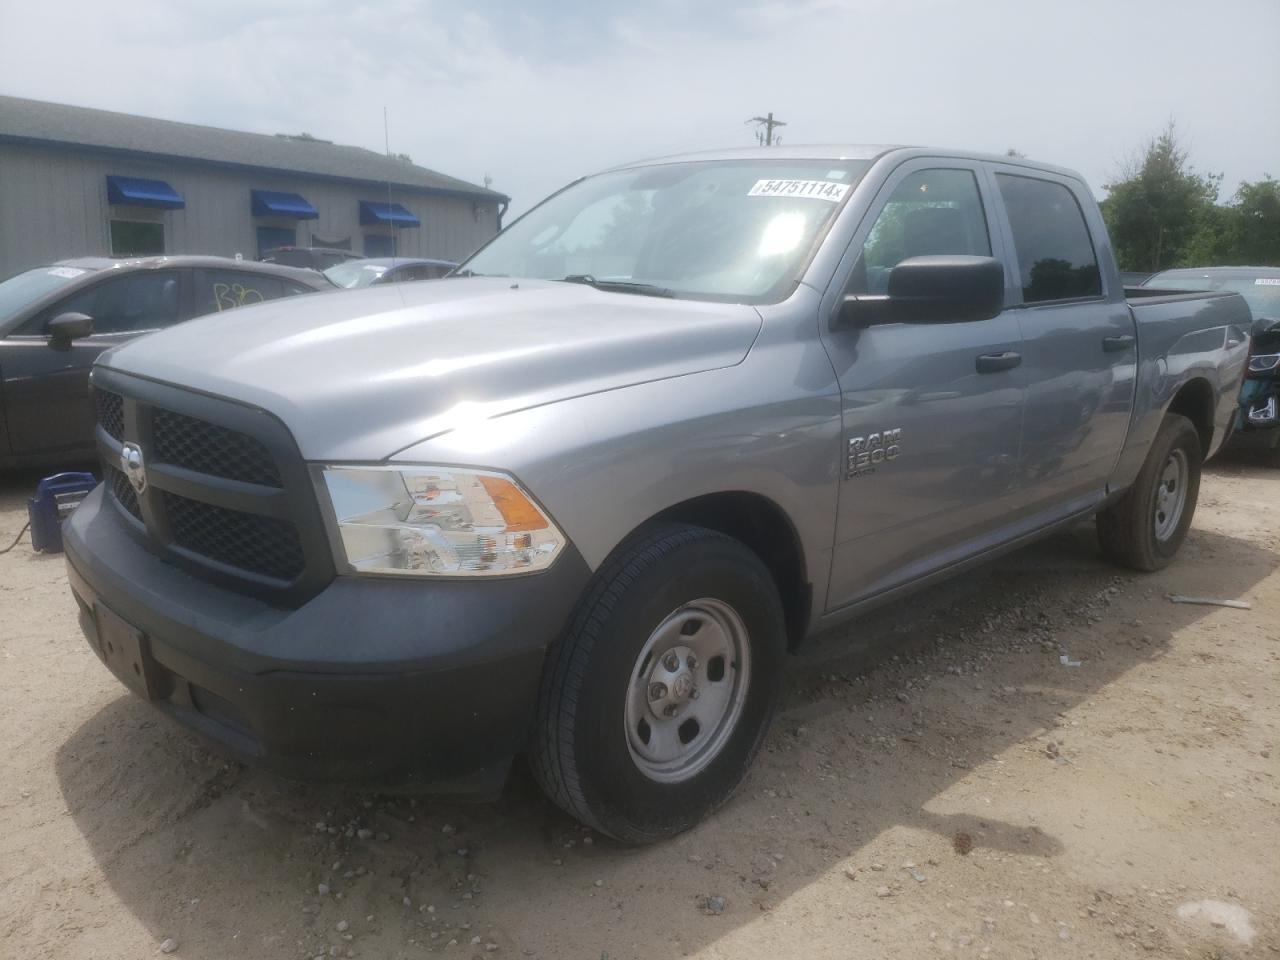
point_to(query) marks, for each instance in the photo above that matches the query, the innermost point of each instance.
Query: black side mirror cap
(66, 327)
(933, 289)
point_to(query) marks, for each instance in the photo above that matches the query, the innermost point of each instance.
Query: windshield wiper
(619, 286)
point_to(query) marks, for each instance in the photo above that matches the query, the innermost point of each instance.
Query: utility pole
(766, 138)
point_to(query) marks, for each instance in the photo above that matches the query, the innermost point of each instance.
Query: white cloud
(536, 97)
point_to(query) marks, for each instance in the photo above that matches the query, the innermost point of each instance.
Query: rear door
(46, 385)
(1079, 345)
(931, 434)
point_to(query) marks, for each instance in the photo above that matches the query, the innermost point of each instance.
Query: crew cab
(578, 500)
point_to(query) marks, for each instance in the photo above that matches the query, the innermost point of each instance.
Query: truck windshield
(1260, 291)
(729, 230)
(25, 288)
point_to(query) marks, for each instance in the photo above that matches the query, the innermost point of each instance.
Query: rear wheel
(1147, 526)
(656, 701)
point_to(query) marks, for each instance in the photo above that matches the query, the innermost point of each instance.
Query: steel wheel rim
(686, 690)
(1171, 495)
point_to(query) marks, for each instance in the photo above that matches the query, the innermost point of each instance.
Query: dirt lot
(1127, 806)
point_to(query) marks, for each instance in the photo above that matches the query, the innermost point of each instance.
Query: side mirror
(933, 289)
(66, 327)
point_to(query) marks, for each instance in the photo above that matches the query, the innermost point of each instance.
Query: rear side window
(1050, 239)
(220, 290)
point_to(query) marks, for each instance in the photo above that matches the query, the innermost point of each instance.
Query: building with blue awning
(81, 182)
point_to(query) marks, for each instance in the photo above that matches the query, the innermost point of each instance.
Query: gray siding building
(78, 182)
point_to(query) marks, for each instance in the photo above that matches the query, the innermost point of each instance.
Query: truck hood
(361, 374)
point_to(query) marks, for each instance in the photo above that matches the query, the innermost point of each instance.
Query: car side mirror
(66, 327)
(933, 289)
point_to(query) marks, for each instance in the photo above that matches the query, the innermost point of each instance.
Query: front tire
(1146, 527)
(657, 699)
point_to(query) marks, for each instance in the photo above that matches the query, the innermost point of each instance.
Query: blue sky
(535, 94)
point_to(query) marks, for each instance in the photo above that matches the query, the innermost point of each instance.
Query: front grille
(198, 511)
(110, 407)
(122, 490)
(208, 448)
(261, 545)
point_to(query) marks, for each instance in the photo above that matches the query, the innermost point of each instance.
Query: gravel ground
(938, 783)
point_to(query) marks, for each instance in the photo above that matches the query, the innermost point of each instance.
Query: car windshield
(730, 230)
(1262, 293)
(353, 273)
(24, 288)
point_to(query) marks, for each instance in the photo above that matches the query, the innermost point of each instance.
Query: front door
(46, 385)
(931, 429)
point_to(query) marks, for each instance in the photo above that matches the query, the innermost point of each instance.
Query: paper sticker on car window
(810, 189)
(1267, 282)
(69, 273)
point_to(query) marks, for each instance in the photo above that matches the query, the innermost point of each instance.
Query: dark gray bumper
(384, 681)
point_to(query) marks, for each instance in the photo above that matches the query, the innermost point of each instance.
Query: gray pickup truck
(578, 501)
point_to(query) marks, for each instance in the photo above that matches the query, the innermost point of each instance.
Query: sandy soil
(1124, 807)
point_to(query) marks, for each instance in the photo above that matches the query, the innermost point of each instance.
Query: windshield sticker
(69, 273)
(813, 189)
(1267, 282)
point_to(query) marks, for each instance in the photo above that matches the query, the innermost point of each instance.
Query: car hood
(361, 374)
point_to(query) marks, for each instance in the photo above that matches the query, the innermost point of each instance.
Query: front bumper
(390, 682)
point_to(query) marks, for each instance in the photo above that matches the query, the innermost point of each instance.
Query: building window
(379, 245)
(135, 238)
(271, 237)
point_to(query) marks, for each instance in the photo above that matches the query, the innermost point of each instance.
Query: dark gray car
(55, 321)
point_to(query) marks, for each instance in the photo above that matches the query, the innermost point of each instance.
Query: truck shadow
(881, 720)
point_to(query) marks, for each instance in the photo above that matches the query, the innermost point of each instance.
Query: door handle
(995, 362)
(1116, 344)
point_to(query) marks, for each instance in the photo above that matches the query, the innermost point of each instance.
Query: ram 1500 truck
(578, 501)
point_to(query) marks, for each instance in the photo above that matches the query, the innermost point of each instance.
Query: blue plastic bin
(55, 498)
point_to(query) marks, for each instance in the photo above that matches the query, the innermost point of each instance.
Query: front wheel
(1147, 526)
(656, 701)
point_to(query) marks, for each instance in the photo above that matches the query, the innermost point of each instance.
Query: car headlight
(1264, 362)
(438, 521)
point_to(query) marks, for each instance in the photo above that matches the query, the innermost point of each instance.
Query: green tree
(1256, 210)
(1156, 209)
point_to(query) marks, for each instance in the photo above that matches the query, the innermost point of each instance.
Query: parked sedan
(56, 319)
(365, 273)
(316, 258)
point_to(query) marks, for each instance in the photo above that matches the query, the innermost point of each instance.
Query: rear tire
(1146, 527)
(654, 704)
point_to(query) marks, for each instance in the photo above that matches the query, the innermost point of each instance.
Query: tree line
(1162, 213)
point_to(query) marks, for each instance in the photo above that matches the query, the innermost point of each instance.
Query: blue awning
(271, 203)
(388, 214)
(143, 193)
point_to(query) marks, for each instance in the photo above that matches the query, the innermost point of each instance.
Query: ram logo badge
(865, 453)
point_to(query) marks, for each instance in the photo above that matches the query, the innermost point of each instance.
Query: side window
(137, 301)
(929, 212)
(220, 290)
(271, 237)
(1050, 239)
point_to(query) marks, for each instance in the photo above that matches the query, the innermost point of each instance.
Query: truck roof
(847, 151)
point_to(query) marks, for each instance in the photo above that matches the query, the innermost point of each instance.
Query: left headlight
(438, 521)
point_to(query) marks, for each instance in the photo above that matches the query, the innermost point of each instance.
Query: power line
(765, 137)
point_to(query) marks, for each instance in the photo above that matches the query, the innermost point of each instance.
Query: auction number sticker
(814, 189)
(69, 273)
(1267, 282)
